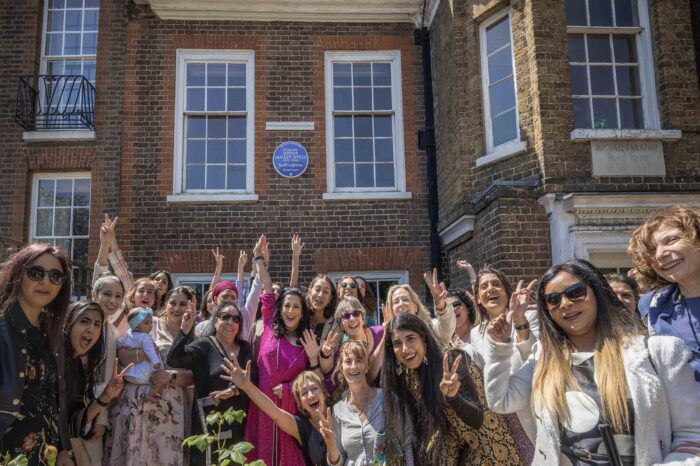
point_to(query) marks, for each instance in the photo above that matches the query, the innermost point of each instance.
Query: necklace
(361, 410)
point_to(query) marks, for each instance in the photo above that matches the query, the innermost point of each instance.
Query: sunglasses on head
(575, 292)
(37, 274)
(348, 285)
(349, 315)
(457, 303)
(236, 319)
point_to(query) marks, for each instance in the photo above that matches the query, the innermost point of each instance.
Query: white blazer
(666, 400)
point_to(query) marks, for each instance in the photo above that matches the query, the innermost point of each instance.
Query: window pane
(363, 126)
(497, 35)
(500, 65)
(54, 44)
(385, 175)
(343, 150)
(216, 151)
(361, 74)
(195, 74)
(194, 177)
(216, 177)
(46, 188)
(74, 3)
(627, 80)
(65, 246)
(196, 127)
(626, 13)
(92, 3)
(89, 70)
(341, 74)
(236, 127)
(80, 251)
(44, 222)
(576, 12)
(577, 49)
(81, 193)
(216, 127)
(74, 20)
(382, 98)
(363, 150)
(71, 45)
(625, 49)
(381, 74)
(365, 175)
(56, 3)
(363, 98)
(81, 222)
(382, 126)
(599, 49)
(195, 100)
(343, 126)
(216, 74)
(579, 80)
(342, 98)
(604, 113)
(55, 21)
(216, 99)
(631, 113)
(62, 223)
(502, 96)
(344, 175)
(601, 12)
(504, 128)
(90, 20)
(236, 152)
(384, 150)
(90, 43)
(236, 177)
(64, 192)
(602, 80)
(236, 74)
(196, 151)
(582, 113)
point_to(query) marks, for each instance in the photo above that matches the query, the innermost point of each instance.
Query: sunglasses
(37, 274)
(348, 285)
(456, 304)
(350, 315)
(236, 319)
(575, 292)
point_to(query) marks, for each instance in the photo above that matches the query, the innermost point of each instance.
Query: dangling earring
(425, 360)
(399, 369)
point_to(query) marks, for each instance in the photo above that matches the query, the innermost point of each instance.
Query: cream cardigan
(666, 400)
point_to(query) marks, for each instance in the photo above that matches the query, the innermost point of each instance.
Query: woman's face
(347, 287)
(39, 294)
(353, 368)
(352, 323)
(409, 348)
(625, 294)
(461, 312)
(576, 315)
(277, 289)
(162, 282)
(176, 306)
(402, 302)
(110, 297)
(227, 296)
(85, 332)
(145, 295)
(291, 312)
(227, 324)
(312, 398)
(210, 303)
(362, 287)
(321, 294)
(676, 259)
(492, 295)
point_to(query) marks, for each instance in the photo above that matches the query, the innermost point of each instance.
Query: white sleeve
(506, 392)
(149, 347)
(251, 307)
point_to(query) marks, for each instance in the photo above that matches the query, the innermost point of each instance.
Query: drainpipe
(426, 142)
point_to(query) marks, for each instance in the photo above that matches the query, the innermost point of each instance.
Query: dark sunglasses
(37, 274)
(349, 315)
(456, 304)
(236, 319)
(575, 292)
(346, 285)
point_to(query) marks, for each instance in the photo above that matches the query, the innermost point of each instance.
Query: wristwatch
(524, 326)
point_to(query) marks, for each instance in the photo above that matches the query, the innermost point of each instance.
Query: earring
(399, 369)
(425, 360)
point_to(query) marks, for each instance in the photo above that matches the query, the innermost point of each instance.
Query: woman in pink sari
(287, 347)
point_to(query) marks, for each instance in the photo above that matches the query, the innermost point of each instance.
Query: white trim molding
(502, 152)
(289, 126)
(62, 135)
(456, 229)
(665, 135)
(367, 196)
(211, 198)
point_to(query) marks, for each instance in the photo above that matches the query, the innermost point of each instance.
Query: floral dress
(39, 405)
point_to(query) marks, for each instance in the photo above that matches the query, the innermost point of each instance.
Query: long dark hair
(278, 322)
(330, 309)
(153, 276)
(482, 316)
(428, 411)
(369, 301)
(94, 356)
(11, 278)
(471, 308)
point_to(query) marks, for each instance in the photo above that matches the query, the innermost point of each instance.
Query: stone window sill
(585, 135)
(501, 153)
(67, 135)
(370, 195)
(209, 198)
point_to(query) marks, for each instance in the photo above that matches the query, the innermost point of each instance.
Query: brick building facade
(192, 99)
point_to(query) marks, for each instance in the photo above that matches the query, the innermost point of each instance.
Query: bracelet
(440, 311)
(173, 376)
(137, 355)
(524, 326)
(323, 355)
(101, 403)
(314, 367)
(258, 258)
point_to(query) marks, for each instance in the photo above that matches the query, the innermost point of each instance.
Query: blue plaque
(290, 159)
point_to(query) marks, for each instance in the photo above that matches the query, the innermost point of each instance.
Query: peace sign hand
(218, 257)
(330, 344)
(308, 341)
(519, 301)
(188, 318)
(325, 427)
(107, 234)
(242, 258)
(449, 385)
(234, 374)
(437, 289)
(115, 386)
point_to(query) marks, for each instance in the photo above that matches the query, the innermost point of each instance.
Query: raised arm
(106, 238)
(297, 246)
(259, 263)
(219, 258)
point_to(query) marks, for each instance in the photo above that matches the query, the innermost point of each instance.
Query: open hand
(297, 245)
(449, 385)
(308, 341)
(234, 374)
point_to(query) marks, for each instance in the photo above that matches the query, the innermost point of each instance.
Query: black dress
(311, 442)
(204, 359)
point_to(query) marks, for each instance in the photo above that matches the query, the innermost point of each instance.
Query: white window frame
(647, 78)
(200, 277)
(400, 276)
(516, 145)
(399, 192)
(183, 57)
(35, 198)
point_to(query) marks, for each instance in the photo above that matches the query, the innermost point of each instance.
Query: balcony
(55, 107)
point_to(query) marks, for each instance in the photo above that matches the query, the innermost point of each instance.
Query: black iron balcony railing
(53, 102)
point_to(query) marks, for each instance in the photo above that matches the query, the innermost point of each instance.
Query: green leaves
(21, 460)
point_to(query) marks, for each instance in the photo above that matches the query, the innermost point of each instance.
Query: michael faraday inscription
(628, 158)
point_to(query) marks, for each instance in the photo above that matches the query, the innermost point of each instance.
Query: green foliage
(227, 455)
(21, 460)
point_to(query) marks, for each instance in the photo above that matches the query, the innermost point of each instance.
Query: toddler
(139, 337)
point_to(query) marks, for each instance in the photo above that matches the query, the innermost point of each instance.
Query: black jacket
(13, 368)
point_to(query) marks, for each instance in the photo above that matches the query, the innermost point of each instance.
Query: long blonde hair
(554, 375)
(422, 311)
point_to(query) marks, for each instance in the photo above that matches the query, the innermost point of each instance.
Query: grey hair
(105, 280)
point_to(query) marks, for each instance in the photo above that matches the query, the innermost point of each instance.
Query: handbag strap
(218, 346)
